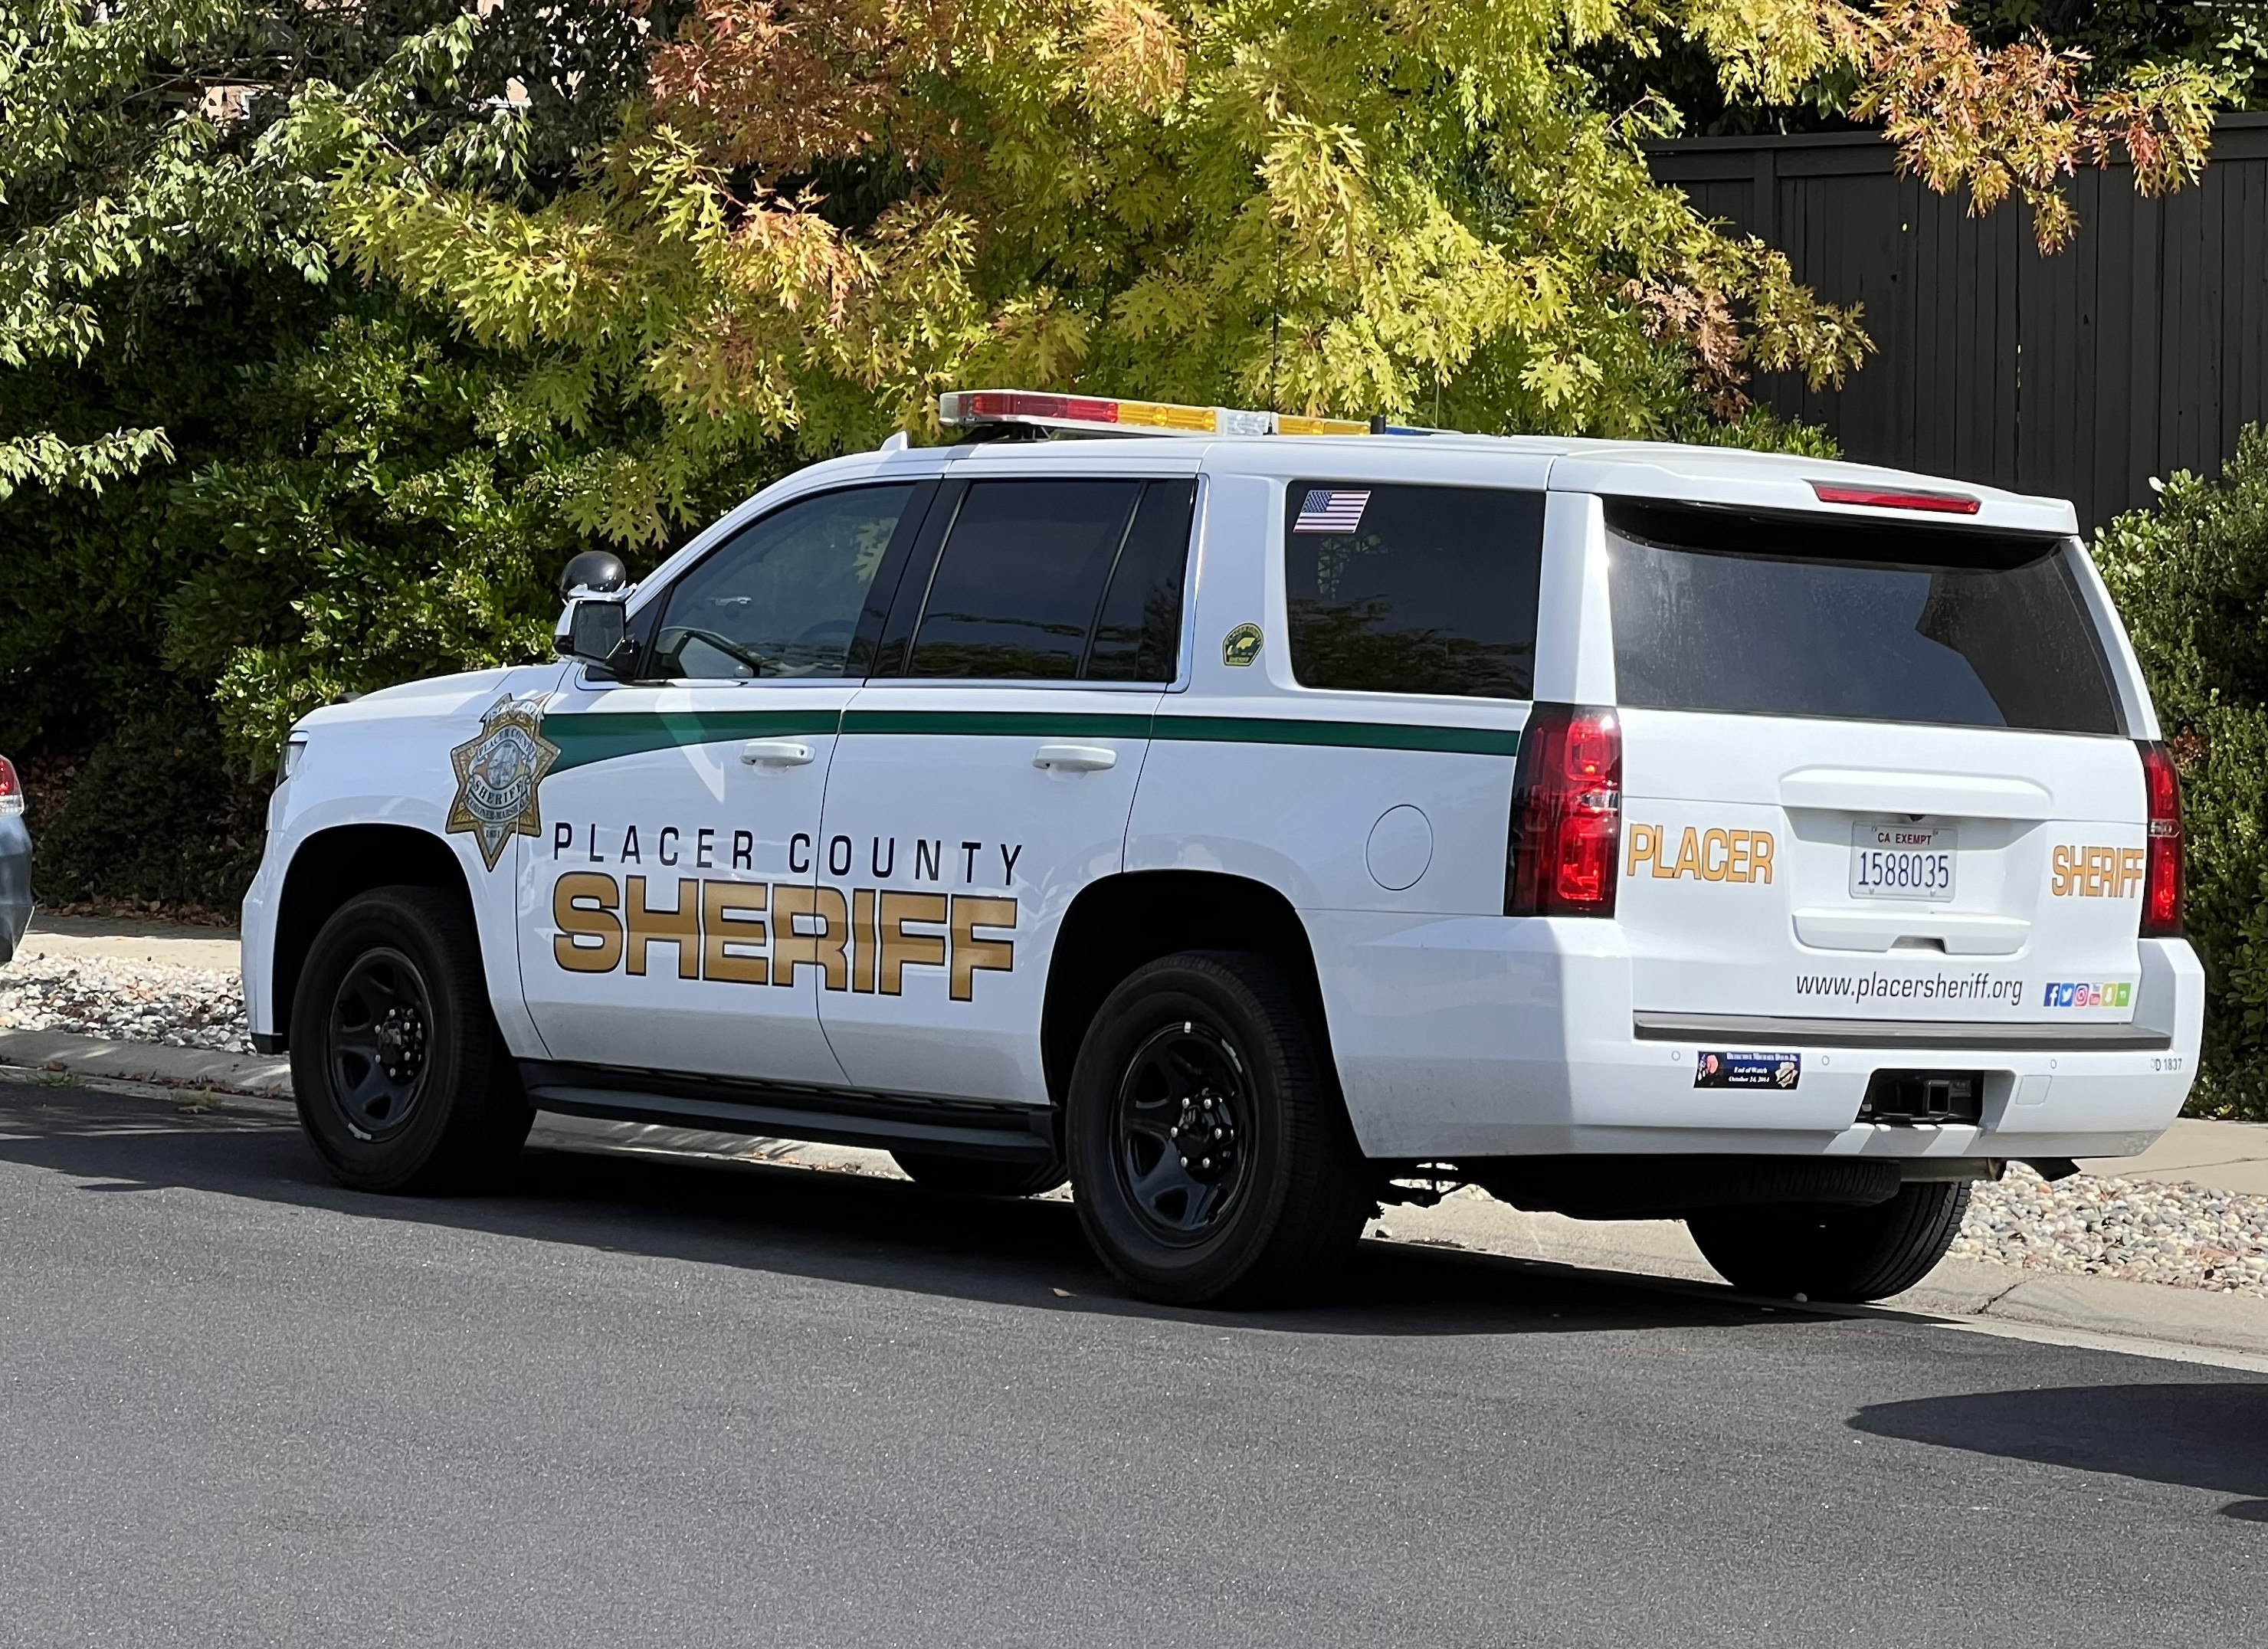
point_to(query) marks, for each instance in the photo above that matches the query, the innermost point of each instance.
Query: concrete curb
(147, 1062)
(1957, 1290)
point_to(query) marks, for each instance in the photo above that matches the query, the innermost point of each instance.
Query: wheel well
(331, 868)
(1117, 925)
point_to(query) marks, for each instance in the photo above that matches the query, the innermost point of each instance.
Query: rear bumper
(1477, 1037)
(15, 884)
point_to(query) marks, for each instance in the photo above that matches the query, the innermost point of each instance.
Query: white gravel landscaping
(2187, 1236)
(2144, 1231)
(126, 1001)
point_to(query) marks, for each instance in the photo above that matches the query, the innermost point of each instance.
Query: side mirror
(598, 570)
(596, 631)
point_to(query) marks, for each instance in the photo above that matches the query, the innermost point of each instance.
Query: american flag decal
(1330, 510)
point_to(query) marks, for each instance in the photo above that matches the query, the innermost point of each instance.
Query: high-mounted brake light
(2161, 880)
(967, 409)
(1898, 498)
(1566, 815)
(11, 790)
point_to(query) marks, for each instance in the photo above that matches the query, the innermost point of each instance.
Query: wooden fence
(2140, 349)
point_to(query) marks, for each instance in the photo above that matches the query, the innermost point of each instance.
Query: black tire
(395, 977)
(1837, 1253)
(1276, 1216)
(973, 1176)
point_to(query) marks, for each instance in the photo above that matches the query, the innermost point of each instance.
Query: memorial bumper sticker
(1747, 1071)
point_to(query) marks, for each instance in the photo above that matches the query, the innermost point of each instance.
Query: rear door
(1871, 771)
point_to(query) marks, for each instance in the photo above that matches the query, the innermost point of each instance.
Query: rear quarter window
(1412, 589)
(1793, 615)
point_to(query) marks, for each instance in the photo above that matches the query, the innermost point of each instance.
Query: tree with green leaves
(332, 326)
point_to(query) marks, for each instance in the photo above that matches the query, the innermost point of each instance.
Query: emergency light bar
(966, 409)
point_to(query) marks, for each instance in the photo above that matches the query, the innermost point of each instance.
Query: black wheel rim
(380, 1039)
(1182, 1133)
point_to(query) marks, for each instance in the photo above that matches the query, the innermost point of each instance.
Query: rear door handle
(774, 753)
(1076, 758)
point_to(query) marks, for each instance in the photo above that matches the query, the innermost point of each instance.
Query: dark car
(15, 862)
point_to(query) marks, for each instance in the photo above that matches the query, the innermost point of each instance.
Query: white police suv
(1252, 820)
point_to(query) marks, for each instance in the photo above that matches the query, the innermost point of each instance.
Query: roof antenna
(1276, 323)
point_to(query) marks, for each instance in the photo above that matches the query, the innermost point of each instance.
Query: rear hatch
(1871, 771)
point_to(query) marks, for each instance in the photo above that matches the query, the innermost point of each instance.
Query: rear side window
(1785, 615)
(1059, 581)
(1413, 589)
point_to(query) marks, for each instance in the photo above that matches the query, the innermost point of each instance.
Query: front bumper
(1466, 1037)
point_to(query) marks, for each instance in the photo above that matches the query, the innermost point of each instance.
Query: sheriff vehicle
(1253, 819)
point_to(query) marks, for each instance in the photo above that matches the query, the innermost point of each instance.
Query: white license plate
(1890, 859)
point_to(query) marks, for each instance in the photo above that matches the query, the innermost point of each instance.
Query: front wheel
(401, 1079)
(1209, 1150)
(1839, 1253)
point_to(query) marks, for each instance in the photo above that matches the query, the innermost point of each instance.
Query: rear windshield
(1789, 617)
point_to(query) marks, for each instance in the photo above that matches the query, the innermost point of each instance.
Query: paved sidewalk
(112, 940)
(2226, 1156)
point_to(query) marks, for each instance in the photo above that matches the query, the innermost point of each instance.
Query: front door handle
(1076, 758)
(774, 753)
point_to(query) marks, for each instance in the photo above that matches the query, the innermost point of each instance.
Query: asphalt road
(643, 1402)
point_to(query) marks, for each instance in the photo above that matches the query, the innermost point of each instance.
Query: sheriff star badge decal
(499, 771)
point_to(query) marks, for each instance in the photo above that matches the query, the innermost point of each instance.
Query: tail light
(1566, 815)
(11, 789)
(2161, 881)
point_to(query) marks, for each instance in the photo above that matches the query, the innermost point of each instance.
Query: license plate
(1895, 860)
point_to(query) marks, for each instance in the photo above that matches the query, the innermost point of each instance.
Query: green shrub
(2190, 578)
(158, 816)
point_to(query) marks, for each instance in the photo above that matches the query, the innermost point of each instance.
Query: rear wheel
(973, 1176)
(1209, 1146)
(1841, 1253)
(402, 1081)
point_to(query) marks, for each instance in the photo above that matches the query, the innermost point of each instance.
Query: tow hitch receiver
(1908, 1097)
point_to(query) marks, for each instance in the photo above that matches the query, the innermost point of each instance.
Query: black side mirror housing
(595, 569)
(597, 632)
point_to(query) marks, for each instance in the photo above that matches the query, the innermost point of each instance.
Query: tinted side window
(1019, 580)
(781, 596)
(1412, 589)
(1138, 636)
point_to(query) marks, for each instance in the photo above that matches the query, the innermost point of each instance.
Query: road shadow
(838, 1227)
(2204, 1436)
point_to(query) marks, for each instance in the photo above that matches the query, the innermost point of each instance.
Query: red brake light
(1566, 815)
(1898, 498)
(11, 790)
(2161, 881)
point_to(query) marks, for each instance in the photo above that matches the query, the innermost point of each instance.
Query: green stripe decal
(1352, 735)
(604, 736)
(591, 736)
(1009, 723)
